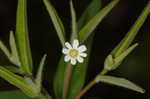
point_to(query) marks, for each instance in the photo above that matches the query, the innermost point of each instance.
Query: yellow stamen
(73, 53)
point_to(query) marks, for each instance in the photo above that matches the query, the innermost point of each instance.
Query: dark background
(43, 39)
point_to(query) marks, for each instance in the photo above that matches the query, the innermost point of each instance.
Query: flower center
(73, 53)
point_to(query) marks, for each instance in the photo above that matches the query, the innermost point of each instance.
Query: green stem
(67, 79)
(89, 85)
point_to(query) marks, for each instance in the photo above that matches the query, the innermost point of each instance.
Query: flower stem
(67, 79)
(89, 86)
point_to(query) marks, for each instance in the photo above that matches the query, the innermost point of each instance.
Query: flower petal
(80, 59)
(73, 61)
(83, 54)
(65, 51)
(67, 58)
(82, 48)
(75, 44)
(68, 45)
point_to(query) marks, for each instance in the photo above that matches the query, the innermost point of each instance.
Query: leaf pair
(119, 53)
(115, 58)
(26, 84)
(112, 63)
(18, 81)
(13, 55)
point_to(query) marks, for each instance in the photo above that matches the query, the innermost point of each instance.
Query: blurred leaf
(38, 80)
(15, 94)
(86, 31)
(13, 69)
(121, 82)
(59, 78)
(14, 53)
(74, 23)
(56, 21)
(112, 63)
(16, 81)
(128, 39)
(78, 76)
(22, 38)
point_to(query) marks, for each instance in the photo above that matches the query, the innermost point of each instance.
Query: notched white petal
(68, 45)
(82, 48)
(83, 54)
(80, 59)
(67, 58)
(75, 44)
(65, 51)
(73, 61)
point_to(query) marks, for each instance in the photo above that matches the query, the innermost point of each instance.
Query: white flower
(73, 52)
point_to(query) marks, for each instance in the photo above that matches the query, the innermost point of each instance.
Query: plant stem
(89, 85)
(67, 79)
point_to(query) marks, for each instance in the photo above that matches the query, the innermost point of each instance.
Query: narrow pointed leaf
(78, 76)
(86, 31)
(112, 63)
(5, 49)
(128, 39)
(16, 81)
(121, 82)
(56, 21)
(40, 71)
(14, 52)
(22, 37)
(123, 55)
(74, 23)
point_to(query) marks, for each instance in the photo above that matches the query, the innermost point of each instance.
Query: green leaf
(86, 31)
(79, 73)
(14, 94)
(13, 69)
(22, 37)
(121, 82)
(89, 12)
(59, 78)
(56, 21)
(39, 73)
(128, 39)
(5, 49)
(112, 63)
(14, 52)
(74, 23)
(17, 81)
